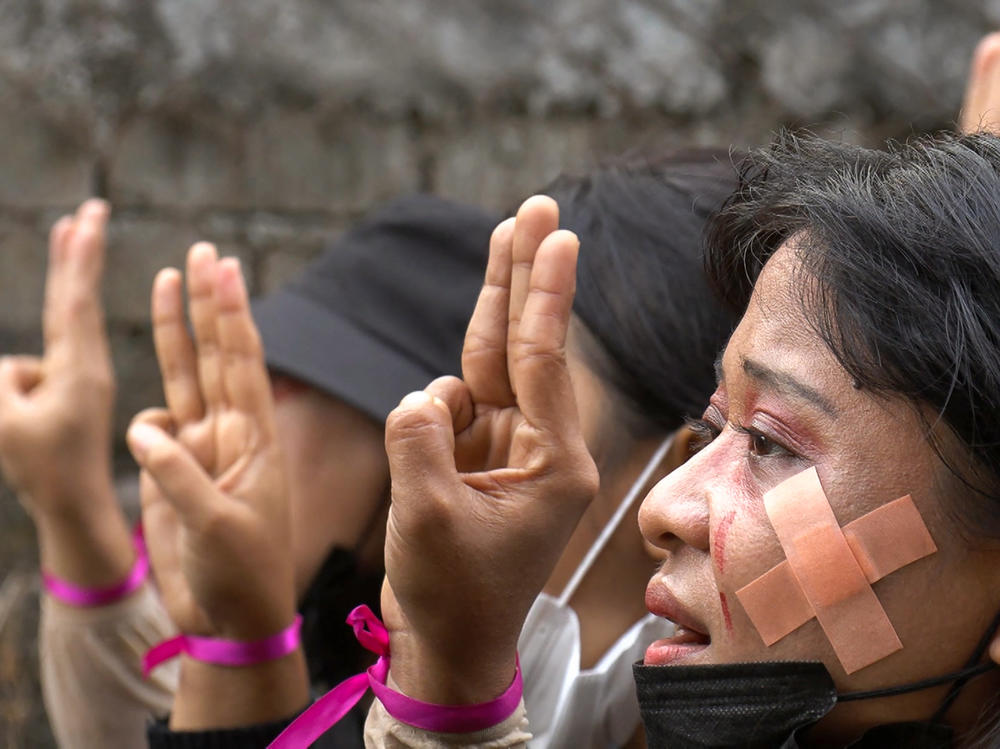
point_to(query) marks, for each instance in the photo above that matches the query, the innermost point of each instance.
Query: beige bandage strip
(828, 571)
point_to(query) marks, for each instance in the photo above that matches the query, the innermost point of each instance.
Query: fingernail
(442, 405)
(96, 207)
(201, 252)
(142, 437)
(416, 399)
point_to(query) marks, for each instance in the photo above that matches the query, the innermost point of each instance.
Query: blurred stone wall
(269, 125)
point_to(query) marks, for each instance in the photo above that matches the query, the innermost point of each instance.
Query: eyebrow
(781, 381)
(788, 384)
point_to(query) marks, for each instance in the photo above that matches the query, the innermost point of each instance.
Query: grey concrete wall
(268, 125)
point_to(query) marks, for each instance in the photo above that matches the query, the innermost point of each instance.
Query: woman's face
(783, 405)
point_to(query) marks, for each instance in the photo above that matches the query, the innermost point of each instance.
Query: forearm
(87, 541)
(423, 671)
(95, 695)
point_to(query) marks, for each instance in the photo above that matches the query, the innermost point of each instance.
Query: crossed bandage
(828, 570)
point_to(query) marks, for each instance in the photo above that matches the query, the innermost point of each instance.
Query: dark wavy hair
(905, 246)
(642, 292)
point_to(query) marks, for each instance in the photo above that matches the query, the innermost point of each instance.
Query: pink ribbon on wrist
(335, 704)
(84, 597)
(224, 652)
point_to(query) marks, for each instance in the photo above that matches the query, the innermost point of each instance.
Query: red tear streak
(719, 547)
(725, 612)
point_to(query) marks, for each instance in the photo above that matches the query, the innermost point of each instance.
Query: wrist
(90, 550)
(471, 677)
(73, 496)
(215, 696)
(89, 596)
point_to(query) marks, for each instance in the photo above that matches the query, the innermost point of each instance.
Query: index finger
(484, 353)
(174, 349)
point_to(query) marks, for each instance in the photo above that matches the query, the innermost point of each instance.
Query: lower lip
(672, 649)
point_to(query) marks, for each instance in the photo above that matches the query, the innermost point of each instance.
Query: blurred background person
(343, 342)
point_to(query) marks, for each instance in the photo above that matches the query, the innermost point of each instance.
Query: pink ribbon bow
(339, 701)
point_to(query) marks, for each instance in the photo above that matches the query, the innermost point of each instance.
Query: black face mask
(332, 652)
(341, 584)
(768, 705)
(751, 705)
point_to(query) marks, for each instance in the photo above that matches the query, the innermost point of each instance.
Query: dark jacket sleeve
(347, 734)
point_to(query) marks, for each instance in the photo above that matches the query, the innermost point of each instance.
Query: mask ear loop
(972, 669)
(960, 683)
(615, 521)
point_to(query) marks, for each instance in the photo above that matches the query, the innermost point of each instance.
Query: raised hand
(213, 485)
(490, 475)
(55, 414)
(981, 108)
(215, 506)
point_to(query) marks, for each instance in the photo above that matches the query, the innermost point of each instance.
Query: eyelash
(761, 446)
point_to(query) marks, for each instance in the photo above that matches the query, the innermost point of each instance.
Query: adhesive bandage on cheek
(828, 570)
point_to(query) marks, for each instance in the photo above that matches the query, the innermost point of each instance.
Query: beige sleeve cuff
(91, 670)
(382, 731)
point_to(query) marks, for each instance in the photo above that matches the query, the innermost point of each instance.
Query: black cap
(383, 310)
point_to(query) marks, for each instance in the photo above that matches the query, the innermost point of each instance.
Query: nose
(676, 510)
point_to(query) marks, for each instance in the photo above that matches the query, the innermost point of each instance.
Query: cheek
(743, 547)
(743, 544)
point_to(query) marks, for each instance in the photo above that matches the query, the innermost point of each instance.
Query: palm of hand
(206, 551)
(185, 573)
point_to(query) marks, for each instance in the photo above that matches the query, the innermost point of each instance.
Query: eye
(704, 432)
(762, 446)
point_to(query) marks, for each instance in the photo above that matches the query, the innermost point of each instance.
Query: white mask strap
(615, 521)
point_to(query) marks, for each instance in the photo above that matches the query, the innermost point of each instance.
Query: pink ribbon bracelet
(336, 703)
(224, 652)
(80, 596)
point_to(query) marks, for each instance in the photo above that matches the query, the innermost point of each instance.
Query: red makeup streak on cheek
(719, 547)
(725, 612)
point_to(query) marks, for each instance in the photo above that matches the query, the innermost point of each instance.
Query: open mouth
(688, 638)
(682, 644)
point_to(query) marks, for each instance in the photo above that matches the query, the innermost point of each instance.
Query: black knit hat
(383, 310)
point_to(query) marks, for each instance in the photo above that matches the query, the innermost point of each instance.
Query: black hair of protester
(641, 289)
(900, 260)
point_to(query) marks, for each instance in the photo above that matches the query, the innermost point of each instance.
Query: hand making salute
(216, 514)
(470, 458)
(214, 491)
(98, 610)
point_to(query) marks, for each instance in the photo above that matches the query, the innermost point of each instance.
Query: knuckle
(98, 380)
(476, 340)
(429, 517)
(215, 524)
(162, 458)
(532, 353)
(407, 424)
